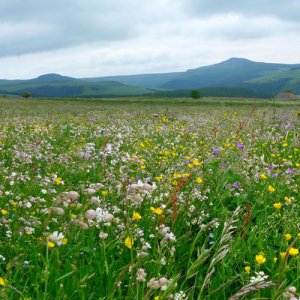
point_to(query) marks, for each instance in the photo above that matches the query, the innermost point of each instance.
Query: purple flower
(224, 165)
(240, 145)
(274, 175)
(271, 167)
(155, 115)
(215, 151)
(86, 155)
(289, 170)
(236, 184)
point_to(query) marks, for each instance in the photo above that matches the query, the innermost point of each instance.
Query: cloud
(104, 37)
(74, 22)
(285, 10)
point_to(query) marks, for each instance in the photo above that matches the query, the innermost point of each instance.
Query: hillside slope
(232, 77)
(54, 85)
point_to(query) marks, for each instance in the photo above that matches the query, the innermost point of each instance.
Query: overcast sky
(90, 38)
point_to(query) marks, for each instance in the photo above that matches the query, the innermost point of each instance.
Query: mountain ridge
(234, 73)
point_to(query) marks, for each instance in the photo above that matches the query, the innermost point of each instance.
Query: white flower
(153, 284)
(260, 276)
(163, 281)
(59, 211)
(163, 261)
(180, 296)
(103, 235)
(56, 237)
(108, 218)
(90, 214)
(96, 186)
(141, 275)
(89, 191)
(2, 258)
(95, 200)
(73, 195)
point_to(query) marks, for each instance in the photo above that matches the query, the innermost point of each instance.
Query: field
(149, 199)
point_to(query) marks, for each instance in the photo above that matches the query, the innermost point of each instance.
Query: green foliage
(26, 95)
(195, 94)
(69, 87)
(206, 209)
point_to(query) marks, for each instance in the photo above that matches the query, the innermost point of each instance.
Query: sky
(93, 38)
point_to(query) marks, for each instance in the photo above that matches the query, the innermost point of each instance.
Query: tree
(26, 95)
(195, 94)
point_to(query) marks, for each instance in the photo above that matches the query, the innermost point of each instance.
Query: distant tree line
(214, 92)
(26, 95)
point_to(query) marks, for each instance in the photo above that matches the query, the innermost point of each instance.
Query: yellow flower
(51, 244)
(196, 163)
(277, 205)
(136, 216)
(199, 180)
(158, 178)
(156, 298)
(57, 180)
(288, 236)
(104, 193)
(271, 189)
(282, 254)
(64, 241)
(263, 176)
(293, 251)
(247, 269)
(2, 281)
(164, 119)
(260, 259)
(287, 199)
(157, 211)
(4, 212)
(129, 242)
(275, 259)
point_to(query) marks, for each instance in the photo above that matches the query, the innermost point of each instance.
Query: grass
(148, 199)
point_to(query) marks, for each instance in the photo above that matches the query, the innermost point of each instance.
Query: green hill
(266, 78)
(54, 85)
(233, 77)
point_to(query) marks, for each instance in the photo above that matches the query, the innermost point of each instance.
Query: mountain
(55, 85)
(269, 78)
(234, 77)
(53, 78)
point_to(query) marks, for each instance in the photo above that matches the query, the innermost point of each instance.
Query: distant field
(149, 198)
(90, 103)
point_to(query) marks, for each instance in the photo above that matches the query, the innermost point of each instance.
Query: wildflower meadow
(129, 200)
